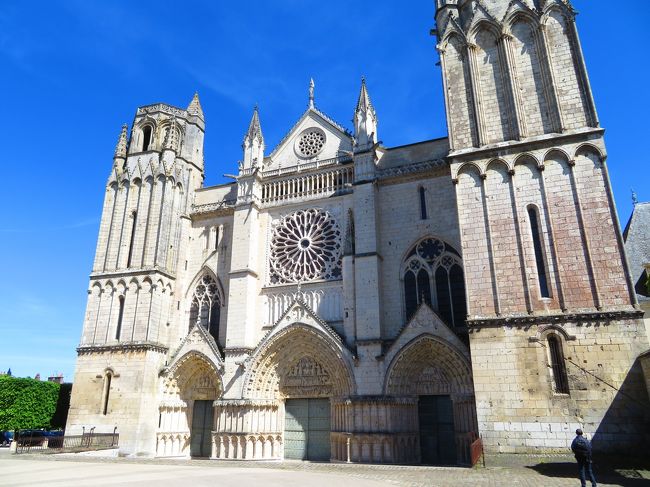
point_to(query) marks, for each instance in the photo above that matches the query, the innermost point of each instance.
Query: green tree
(26, 403)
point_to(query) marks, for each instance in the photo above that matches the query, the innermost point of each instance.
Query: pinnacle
(120, 149)
(194, 108)
(364, 104)
(255, 128)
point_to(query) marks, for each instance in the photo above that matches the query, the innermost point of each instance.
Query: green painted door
(201, 434)
(307, 429)
(437, 441)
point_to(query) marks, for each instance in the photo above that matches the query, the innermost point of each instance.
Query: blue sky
(74, 70)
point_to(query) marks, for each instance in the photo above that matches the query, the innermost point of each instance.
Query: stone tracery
(205, 307)
(306, 245)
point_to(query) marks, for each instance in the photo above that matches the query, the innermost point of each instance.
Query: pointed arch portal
(302, 368)
(441, 378)
(185, 423)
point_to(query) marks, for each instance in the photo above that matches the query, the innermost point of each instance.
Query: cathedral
(345, 301)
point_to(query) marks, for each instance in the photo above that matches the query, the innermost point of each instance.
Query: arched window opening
(216, 238)
(106, 392)
(459, 302)
(120, 315)
(417, 287)
(146, 137)
(205, 310)
(410, 294)
(424, 287)
(540, 261)
(558, 367)
(132, 239)
(444, 295)
(433, 274)
(423, 203)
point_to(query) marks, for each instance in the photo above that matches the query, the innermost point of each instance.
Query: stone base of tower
(115, 389)
(519, 406)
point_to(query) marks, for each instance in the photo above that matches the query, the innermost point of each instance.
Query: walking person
(581, 448)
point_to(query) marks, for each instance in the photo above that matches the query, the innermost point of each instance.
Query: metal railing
(34, 440)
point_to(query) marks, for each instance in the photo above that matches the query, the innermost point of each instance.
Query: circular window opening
(310, 143)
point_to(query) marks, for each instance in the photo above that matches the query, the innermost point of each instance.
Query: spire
(253, 143)
(365, 119)
(254, 128)
(364, 103)
(120, 149)
(194, 108)
(311, 93)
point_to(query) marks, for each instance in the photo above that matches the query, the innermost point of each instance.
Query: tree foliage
(26, 403)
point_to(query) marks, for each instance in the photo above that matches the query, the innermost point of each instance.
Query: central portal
(307, 429)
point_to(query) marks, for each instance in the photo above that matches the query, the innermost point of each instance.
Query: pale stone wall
(518, 410)
(401, 227)
(130, 408)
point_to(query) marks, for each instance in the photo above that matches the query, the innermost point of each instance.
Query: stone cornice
(224, 206)
(142, 271)
(524, 145)
(412, 168)
(123, 347)
(556, 318)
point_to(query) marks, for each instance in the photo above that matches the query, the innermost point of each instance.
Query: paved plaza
(68, 470)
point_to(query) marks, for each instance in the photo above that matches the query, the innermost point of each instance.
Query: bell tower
(542, 248)
(131, 306)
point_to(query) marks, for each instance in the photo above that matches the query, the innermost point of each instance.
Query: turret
(365, 120)
(253, 144)
(194, 108)
(119, 158)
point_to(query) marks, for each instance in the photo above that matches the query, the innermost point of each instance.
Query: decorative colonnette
(247, 430)
(375, 429)
(173, 437)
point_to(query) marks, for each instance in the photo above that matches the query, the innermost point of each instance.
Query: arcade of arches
(301, 401)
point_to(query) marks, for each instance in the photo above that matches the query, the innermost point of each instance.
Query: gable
(314, 137)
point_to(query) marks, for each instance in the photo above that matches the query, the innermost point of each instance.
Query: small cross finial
(311, 92)
(635, 199)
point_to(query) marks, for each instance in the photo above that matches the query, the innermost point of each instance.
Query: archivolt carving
(299, 361)
(193, 377)
(429, 366)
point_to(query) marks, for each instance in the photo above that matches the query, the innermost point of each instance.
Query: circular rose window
(306, 245)
(310, 142)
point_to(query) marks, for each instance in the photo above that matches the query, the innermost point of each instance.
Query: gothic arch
(197, 278)
(481, 24)
(192, 376)
(429, 365)
(299, 361)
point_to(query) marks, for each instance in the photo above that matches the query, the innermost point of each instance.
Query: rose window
(306, 245)
(310, 142)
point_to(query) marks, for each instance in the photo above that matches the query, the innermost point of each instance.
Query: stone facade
(367, 303)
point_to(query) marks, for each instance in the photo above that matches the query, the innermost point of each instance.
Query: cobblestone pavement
(527, 471)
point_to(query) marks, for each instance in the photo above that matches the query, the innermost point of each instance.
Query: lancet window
(205, 310)
(433, 274)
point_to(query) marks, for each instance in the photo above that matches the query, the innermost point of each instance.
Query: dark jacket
(581, 448)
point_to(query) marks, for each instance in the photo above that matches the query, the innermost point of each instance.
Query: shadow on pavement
(625, 477)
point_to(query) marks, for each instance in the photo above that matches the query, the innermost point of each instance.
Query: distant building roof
(637, 247)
